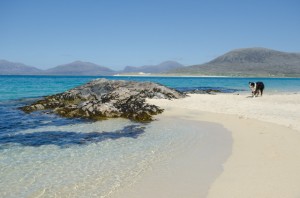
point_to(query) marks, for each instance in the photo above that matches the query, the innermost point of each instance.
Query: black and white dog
(256, 88)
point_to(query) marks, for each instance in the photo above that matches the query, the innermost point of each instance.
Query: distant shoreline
(149, 76)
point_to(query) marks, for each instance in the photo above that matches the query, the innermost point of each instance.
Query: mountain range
(80, 68)
(10, 68)
(161, 68)
(248, 62)
(239, 62)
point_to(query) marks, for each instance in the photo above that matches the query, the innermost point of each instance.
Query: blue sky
(116, 33)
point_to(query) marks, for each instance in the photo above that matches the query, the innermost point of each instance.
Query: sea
(44, 155)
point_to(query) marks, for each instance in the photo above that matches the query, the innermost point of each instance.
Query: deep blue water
(20, 87)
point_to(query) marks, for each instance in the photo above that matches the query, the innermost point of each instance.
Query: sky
(117, 33)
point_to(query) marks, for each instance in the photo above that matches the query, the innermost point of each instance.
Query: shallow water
(86, 159)
(45, 155)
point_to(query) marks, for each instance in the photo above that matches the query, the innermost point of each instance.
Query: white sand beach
(281, 109)
(265, 156)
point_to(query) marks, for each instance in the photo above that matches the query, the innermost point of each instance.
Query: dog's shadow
(253, 96)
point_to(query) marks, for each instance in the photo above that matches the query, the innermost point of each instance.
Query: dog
(256, 88)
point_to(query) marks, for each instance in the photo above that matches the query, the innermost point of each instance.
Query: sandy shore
(193, 162)
(265, 157)
(281, 109)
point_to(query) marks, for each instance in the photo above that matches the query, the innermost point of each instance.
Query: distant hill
(11, 68)
(160, 68)
(79, 68)
(248, 62)
(239, 62)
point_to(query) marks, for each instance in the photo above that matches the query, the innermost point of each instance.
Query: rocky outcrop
(104, 98)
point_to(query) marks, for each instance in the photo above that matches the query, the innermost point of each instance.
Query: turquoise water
(17, 87)
(44, 155)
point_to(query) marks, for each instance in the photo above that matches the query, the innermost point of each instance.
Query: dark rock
(104, 98)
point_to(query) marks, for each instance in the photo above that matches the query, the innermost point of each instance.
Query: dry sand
(265, 158)
(282, 109)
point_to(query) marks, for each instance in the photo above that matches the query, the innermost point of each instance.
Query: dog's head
(251, 84)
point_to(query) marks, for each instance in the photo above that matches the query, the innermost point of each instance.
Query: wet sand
(192, 166)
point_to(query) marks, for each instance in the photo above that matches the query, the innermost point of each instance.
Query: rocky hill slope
(248, 62)
(79, 68)
(11, 68)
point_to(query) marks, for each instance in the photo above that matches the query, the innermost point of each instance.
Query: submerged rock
(104, 98)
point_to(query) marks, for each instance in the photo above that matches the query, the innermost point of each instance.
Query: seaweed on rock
(102, 98)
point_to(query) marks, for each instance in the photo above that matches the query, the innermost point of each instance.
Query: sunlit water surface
(45, 155)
